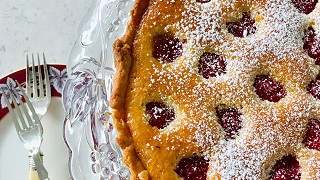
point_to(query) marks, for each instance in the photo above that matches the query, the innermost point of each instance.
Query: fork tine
(41, 93)
(46, 76)
(34, 76)
(28, 78)
(15, 120)
(17, 109)
(34, 114)
(23, 109)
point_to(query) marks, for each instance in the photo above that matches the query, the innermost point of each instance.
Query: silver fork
(40, 97)
(39, 94)
(27, 125)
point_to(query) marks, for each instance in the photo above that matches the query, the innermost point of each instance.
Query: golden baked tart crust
(227, 89)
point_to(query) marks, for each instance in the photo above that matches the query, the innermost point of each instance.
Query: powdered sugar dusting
(280, 31)
(269, 130)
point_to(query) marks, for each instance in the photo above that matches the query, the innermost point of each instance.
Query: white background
(31, 26)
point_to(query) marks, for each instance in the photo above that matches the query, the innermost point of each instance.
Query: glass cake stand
(88, 126)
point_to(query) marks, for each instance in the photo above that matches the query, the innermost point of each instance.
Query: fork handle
(42, 172)
(33, 175)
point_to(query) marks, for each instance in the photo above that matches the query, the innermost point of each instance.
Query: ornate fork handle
(42, 172)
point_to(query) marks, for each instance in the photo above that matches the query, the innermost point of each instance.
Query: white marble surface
(33, 26)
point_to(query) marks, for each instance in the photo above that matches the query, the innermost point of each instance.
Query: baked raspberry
(287, 168)
(230, 120)
(211, 65)
(312, 136)
(166, 48)
(305, 6)
(159, 114)
(269, 89)
(312, 45)
(242, 28)
(314, 87)
(193, 168)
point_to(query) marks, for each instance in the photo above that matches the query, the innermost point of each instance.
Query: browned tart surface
(220, 89)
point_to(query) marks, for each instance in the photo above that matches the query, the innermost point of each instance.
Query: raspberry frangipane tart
(219, 89)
